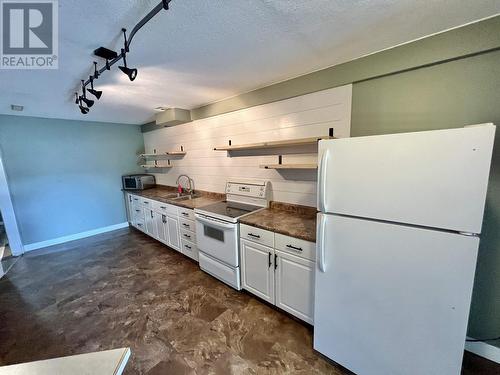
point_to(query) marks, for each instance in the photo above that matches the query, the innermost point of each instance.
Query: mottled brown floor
(126, 289)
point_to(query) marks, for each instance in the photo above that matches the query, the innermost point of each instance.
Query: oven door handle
(213, 223)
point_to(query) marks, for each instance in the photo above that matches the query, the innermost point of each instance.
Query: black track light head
(131, 73)
(89, 102)
(108, 67)
(83, 98)
(96, 93)
(76, 100)
(96, 71)
(83, 109)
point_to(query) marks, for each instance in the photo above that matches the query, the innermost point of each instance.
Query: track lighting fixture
(83, 109)
(131, 73)
(112, 58)
(89, 102)
(96, 93)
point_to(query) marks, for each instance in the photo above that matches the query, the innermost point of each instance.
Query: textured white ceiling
(201, 51)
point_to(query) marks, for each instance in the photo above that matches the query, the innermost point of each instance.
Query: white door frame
(8, 214)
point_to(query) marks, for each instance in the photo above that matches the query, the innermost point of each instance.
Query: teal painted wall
(65, 176)
(448, 95)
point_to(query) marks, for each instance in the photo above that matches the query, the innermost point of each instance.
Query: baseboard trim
(484, 350)
(72, 237)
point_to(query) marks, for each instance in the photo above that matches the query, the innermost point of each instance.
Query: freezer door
(392, 299)
(434, 178)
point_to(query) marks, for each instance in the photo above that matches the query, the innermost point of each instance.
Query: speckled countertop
(290, 220)
(161, 193)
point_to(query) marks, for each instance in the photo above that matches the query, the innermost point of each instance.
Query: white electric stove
(217, 229)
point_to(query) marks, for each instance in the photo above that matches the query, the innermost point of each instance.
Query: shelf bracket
(330, 132)
(280, 159)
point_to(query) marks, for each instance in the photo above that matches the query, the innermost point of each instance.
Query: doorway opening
(10, 240)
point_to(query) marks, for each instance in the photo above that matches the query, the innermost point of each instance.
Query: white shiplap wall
(304, 116)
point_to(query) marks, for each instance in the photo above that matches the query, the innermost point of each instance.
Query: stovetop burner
(229, 210)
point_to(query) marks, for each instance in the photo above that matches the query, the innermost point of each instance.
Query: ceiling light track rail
(112, 58)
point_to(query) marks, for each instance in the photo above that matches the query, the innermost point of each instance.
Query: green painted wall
(453, 94)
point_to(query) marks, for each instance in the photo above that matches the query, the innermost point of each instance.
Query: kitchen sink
(185, 197)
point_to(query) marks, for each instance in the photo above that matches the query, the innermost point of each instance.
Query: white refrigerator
(398, 235)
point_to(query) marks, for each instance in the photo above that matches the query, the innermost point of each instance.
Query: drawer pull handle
(269, 260)
(186, 225)
(137, 210)
(187, 235)
(136, 199)
(139, 224)
(253, 235)
(187, 247)
(185, 214)
(163, 207)
(146, 202)
(293, 247)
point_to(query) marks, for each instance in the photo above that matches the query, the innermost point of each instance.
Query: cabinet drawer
(165, 208)
(296, 246)
(189, 249)
(141, 225)
(187, 235)
(138, 212)
(187, 224)
(147, 202)
(136, 200)
(186, 213)
(258, 235)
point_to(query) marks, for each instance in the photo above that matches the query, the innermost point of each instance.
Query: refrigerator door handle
(322, 181)
(321, 243)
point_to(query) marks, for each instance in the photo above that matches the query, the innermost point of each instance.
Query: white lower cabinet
(150, 219)
(173, 239)
(161, 227)
(257, 270)
(283, 276)
(294, 278)
(163, 222)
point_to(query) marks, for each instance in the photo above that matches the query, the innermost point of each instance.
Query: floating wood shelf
(272, 144)
(289, 166)
(146, 166)
(164, 155)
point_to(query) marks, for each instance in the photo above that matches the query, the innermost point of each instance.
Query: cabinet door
(128, 206)
(173, 232)
(161, 227)
(295, 285)
(151, 227)
(257, 269)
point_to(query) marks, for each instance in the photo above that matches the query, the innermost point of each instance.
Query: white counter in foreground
(108, 362)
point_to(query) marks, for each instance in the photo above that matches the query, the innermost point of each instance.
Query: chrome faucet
(190, 182)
